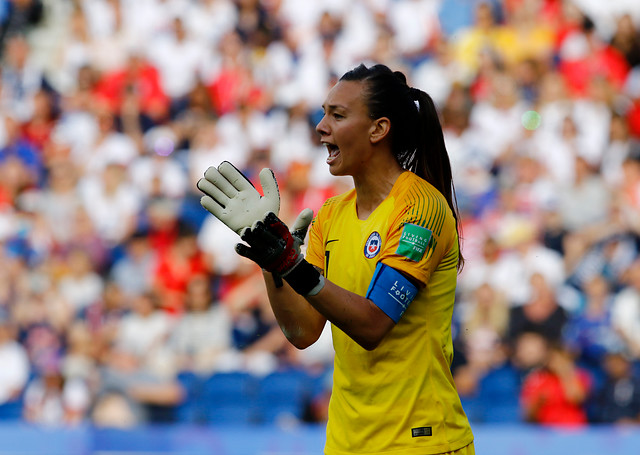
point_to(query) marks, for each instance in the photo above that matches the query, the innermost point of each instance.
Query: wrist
(304, 278)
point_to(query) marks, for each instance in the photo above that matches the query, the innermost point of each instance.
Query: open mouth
(333, 150)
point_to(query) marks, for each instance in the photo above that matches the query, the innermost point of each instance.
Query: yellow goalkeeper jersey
(400, 398)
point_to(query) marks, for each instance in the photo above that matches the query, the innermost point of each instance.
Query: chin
(336, 171)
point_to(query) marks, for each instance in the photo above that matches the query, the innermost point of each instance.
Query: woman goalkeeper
(381, 266)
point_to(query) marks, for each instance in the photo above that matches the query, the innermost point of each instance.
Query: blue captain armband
(391, 291)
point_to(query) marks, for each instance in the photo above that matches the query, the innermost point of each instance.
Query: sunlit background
(128, 324)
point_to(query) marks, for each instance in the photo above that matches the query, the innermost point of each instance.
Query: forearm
(300, 322)
(305, 301)
(355, 315)
(302, 319)
(573, 388)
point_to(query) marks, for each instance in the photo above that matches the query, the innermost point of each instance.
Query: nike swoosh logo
(334, 240)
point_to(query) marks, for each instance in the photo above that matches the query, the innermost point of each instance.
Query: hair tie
(414, 93)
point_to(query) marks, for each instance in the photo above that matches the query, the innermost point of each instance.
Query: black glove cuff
(303, 278)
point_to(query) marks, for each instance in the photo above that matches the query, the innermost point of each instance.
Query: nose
(321, 127)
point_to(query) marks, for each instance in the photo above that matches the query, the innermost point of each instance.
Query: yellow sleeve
(420, 235)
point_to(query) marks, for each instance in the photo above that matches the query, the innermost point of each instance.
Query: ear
(379, 130)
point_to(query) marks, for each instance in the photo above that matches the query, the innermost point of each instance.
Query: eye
(338, 116)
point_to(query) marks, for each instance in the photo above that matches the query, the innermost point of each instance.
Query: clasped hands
(232, 198)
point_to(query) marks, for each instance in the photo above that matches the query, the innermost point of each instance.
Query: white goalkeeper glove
(232, 198)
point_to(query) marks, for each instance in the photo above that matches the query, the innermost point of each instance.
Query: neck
(373, 187)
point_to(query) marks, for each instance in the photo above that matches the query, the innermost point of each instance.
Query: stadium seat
(283, 394)
(11, 410)
(229, 398)
(190, 410)
(499, 396)
(473, 408)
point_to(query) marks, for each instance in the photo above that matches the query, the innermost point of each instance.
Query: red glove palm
(271, 245)
(274, 248)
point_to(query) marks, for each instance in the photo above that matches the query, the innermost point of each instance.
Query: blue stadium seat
(499, 396)
(190, 410)
(229, 398)
(473, 408)
(11, 410)
(283, 394)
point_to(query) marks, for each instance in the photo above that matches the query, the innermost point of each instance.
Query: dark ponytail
(417, 140)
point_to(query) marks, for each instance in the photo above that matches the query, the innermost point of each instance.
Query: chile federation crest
(372, 245)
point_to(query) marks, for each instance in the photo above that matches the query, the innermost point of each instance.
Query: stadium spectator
(138, 365)
(618, 148)
(80, 284)
(175, 267)
(541, 313)
(588, 332)
(15, 374)
(202, 337)
(18, 17)
(259, 345)
(106, 146)
(522, 253)
(37, 131)
(585, 56)
(626, 309)
(525, 36)
(52, 400)
(482, 36)
(586, 201)
(626, 39)
(80, 360)
(133, 271)
(483, 327)
(157, 173)
(617, 399)
(84, 235)
(178, 58)
(111, 202)
(498, 118)
(527, 353)
(21, 162)
(138, 83)
(21, 78)
(556, 394)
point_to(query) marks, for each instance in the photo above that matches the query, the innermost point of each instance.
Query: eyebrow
(331, 107)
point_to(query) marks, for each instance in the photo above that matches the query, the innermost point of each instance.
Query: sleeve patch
(391, 291)
(414, 241)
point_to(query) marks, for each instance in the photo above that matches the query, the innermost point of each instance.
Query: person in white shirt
(203, 334)
(178, 58)
(14, 373)
(625, 312)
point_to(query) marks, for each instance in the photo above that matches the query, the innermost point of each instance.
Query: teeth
(332, 149)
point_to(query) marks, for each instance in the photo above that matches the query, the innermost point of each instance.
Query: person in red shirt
(138, 82)
(37, 130)
(176, 266)
(555, 394)
(584, 56)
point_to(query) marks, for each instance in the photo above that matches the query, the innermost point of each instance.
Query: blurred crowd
(115, 282)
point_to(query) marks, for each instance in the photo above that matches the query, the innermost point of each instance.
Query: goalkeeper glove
(233, 199)
(275, 249)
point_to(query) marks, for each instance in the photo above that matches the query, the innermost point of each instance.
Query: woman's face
(345, 129)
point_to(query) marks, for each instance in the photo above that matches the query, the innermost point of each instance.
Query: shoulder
(339, 199)
(415, 189)
(419, 202)
(335, 204)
